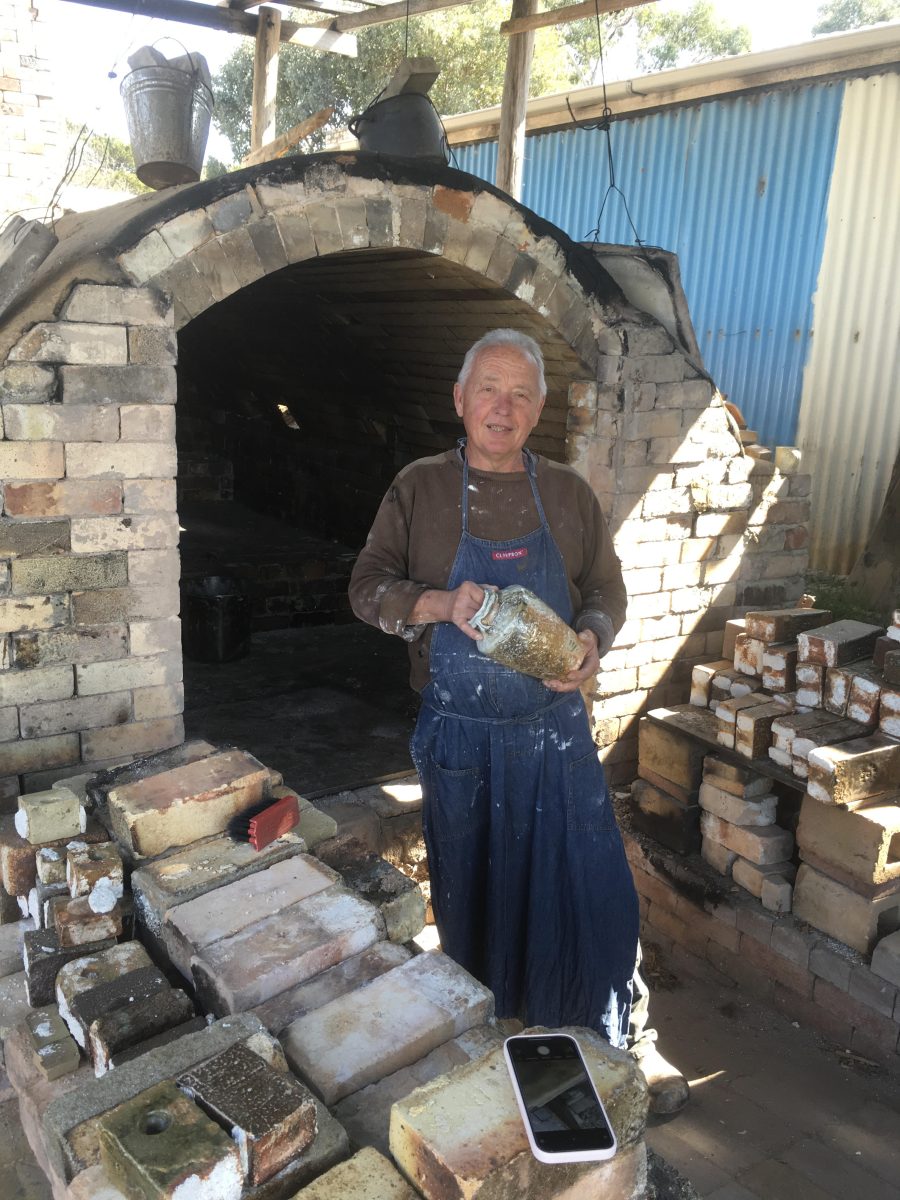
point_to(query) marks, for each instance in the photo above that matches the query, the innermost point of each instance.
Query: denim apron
(530, 886)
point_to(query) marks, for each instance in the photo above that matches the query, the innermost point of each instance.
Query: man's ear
(458, 399)
(540, 409)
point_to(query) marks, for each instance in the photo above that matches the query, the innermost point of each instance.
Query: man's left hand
(589, 666)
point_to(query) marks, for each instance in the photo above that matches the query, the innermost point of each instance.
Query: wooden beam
(210, 16)
(265, 78)
(280, 145)
(386, 13)
(561, 16)
(511, 142)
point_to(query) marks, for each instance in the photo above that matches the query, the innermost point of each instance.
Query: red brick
(773, 966)
(747, 975)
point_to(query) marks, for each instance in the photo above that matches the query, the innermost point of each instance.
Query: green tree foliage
(835, 15)
(466, 42)
(103, 161)
(677, 39)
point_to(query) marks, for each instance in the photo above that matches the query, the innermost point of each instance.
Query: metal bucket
(407, 125)
(168, 113)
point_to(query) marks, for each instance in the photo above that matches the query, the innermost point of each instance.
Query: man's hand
(456, 606)
(589, 666)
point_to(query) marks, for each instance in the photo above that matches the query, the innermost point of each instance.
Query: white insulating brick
(155, 670)
(147, 423)
(150, 495)
(357, 1039)
(135, 460)
(719, 857)
(189, 927)
(150, 256)
(285, 949)
(777, 894)
(50, 815)
(751, 876)
(764, 844)
(94, 535)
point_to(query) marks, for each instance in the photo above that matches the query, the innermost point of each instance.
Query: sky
(90, 47)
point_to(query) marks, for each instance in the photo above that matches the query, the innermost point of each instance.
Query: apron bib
(530, 886)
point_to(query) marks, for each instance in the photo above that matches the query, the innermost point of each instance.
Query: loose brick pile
(800, 806)
(262, 1014)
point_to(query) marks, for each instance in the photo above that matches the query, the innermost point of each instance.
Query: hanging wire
(603, 126)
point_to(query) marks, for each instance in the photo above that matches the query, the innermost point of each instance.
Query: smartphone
(564, 1117)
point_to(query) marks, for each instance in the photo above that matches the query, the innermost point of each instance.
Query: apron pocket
(588, 808)
(460, 805)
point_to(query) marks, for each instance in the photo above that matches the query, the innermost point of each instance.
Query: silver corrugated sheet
(850, 412)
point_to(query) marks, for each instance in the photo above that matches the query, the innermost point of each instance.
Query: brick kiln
(306, 320)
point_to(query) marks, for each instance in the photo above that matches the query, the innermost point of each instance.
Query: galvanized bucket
(168, 113)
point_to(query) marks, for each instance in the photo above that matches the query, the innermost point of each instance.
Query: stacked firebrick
(204, 1017)
(808, 705)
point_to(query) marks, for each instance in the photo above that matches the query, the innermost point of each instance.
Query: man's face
(499, 405)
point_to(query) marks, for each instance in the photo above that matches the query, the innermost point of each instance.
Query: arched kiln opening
(299, 399)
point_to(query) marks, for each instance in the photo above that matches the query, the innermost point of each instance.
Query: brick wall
(30, 134)
(89, 630)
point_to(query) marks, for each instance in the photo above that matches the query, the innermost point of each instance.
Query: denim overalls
(530, 886)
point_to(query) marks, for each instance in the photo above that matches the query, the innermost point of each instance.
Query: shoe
(668, 1088)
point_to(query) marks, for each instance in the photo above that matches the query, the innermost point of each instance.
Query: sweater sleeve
(381, 592)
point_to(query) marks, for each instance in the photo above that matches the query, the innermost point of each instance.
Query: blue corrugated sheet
(738, 189)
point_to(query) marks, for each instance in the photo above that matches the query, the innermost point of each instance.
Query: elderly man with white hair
(531, 889)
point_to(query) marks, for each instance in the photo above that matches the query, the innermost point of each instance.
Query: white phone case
(562, 1155)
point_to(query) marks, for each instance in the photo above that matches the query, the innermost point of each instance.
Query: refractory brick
(854, 771)
(861, 844)
(842, 913)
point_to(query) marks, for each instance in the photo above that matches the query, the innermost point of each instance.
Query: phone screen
(559, 1099)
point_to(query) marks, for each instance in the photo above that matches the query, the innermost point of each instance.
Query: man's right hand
(456, 606)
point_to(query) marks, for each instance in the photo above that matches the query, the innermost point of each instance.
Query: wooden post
(265, 78)
(511, 141)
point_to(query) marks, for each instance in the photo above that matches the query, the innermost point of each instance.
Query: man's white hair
(505, 337)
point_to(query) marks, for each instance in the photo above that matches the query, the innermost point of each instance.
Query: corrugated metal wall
(738, 188)
(850, 414)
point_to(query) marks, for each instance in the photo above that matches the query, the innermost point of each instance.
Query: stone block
(133, 991)
(838, 643)
(753, 729)
(719, 857)
(670, 753)
(396, 896)
(784, 624)
(810, 678)
(807, 740)
(860, 843)
(68, 573)
(44, 958)
(776, 894)
(27, 383)
(366, 1176)
(347, 976)
(779, 667)
(762, 845)
(160, 1039)
(196, 870)
(116, 305)
(665, 817)
(751, 876)
(194, 924)
(284, 950)
(841, 912)
(886, 958)
(62, 423)
(89, 866)
(271, 1118)
(70, 1121)
(92, 970)
(726, 717)
(77, 924)
(354, 1040)
(71, 342)
(50, 865)
(757, 810)
(160, 1144)
(132, 1023)
(701, 681)
(854, 771)
(117, 385)
(34, 537)
(50, 816)
(190, 802)
(448, 1146)
(18, 858)
(54, 1050)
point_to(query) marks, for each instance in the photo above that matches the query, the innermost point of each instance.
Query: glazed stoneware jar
(522, 632)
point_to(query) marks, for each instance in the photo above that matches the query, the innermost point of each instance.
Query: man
(530, 886)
